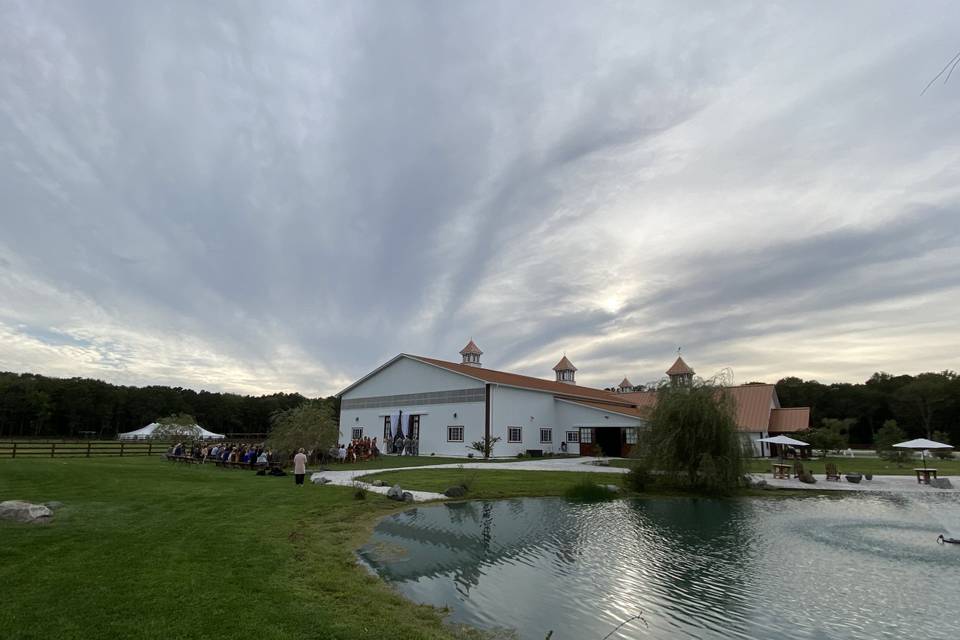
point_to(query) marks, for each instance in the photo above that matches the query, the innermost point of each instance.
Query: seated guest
(262, 458)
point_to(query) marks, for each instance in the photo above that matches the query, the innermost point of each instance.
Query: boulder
(395, 492)
(20, 511)
(407, 496)
(319, 480)
(941, 483)
(455, 492)
(379, 483)
(807, 478)
(53, 505)
(612, 488)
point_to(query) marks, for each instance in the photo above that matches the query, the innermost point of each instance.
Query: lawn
(392, 462)
(148, 549)
(493, 483)
(875, 466)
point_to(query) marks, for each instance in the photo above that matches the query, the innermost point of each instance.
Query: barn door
(586, 441)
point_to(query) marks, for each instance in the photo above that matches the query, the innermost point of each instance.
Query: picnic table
(923, 475)
(782, 470)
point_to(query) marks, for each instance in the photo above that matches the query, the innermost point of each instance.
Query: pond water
(852, 567)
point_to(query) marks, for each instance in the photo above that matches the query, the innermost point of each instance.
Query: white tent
(146, 433)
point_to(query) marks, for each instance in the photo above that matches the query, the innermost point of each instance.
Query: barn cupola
(681, 375)
(471, 354)
(625, 386)
(565, 371)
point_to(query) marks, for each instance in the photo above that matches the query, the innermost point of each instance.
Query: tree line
(920, 405)
(39, 406)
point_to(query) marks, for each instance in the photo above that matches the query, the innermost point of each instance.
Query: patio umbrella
(923, 444)
(784, 440)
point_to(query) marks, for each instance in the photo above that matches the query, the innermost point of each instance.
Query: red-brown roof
(679, 368)
(754, 408)
(790, 420)
(636, 412)
(625, 384)
(560, 389)
(564, 365)
(471, 348)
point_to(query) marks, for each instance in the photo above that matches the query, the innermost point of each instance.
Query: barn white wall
(530, 410)
(434, 420)
(409, 376)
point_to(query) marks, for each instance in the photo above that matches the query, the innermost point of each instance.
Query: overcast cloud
(267, 196)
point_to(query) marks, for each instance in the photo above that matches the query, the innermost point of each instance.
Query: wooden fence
(79, 449)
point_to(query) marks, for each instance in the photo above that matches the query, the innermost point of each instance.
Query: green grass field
(148, 549)
(875, 466)
(493, 483)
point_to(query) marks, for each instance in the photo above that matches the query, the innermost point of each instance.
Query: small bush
(359, 491)
(638, 478)
(587, 491)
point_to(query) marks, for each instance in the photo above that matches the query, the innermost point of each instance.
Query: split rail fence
(79, 449)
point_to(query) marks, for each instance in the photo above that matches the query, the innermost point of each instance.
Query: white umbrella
(785, 440)
(923, 444)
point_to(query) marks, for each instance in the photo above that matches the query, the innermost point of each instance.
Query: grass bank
(148, 549)
(493, 483)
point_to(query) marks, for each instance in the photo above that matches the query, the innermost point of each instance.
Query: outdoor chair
(798, 470)
(832, 473)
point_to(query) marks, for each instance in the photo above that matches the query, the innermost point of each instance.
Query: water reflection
(857, 567)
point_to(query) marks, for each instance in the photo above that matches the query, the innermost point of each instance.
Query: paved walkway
(348, 477)
(879, 484)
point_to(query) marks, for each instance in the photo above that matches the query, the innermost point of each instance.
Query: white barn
(448, 405)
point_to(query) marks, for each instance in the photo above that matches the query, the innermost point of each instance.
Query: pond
(852, 567)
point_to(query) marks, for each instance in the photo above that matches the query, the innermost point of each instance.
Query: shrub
(943, 454)
(359, 491)
(588, 491)
(888, 435)
(485, 446)
(638, 478)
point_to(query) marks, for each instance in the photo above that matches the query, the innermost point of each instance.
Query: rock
(612, 488)
(407, 496)
(53, 505)
(20, 511)
(601, 463)
(395, 492)
(807, 478)
(379, 483)
(319, 480)
(455, 492)
(941, 483)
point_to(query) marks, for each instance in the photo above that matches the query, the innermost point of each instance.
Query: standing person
(299, 467)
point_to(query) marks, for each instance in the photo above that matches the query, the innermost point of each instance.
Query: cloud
(230, 197)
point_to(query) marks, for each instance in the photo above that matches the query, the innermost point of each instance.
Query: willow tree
(312, 425)
(692, 441)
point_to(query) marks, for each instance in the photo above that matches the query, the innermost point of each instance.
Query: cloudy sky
(266, 196)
